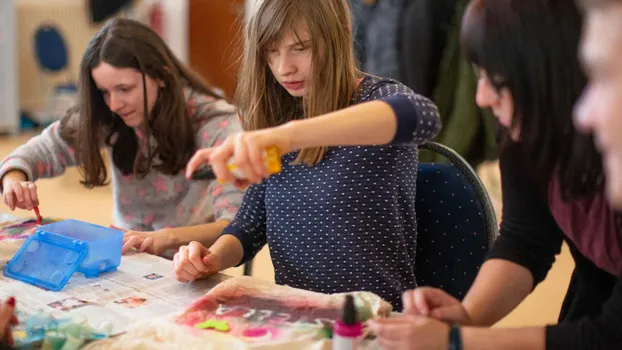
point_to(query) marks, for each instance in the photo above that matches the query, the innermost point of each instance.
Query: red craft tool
(39, 218)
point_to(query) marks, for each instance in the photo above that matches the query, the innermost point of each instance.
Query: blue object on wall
(50, 48)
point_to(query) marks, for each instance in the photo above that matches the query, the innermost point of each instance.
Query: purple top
(591, 225)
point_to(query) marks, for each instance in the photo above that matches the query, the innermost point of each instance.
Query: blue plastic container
(54, 252)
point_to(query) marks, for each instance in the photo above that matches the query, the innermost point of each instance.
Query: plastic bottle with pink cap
(348, 331)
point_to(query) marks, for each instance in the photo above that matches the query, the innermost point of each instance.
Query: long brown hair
(125, 43)
(262, 101)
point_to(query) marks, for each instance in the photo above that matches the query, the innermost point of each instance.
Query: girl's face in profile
(290, 60)
(122, 89)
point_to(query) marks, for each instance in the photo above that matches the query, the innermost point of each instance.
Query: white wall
(9, 110)
(177, 27)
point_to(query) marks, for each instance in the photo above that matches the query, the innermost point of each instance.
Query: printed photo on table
(68, 304)
(132, 302)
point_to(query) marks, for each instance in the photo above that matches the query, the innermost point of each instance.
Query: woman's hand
(19, 193)
(435, 303)
(410, 333)
(247, 150)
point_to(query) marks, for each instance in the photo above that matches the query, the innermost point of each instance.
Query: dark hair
(125, 43)
(532, 45)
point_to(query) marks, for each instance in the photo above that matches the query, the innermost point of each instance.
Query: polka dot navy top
(347, 223)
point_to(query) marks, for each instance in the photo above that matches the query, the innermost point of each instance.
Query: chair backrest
(456, 223)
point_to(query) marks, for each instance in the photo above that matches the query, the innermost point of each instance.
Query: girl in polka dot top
(340, 216)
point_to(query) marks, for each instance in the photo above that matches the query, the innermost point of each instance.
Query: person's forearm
(230, 249)
(205, 234)
(533, 338)
(370, 123)
(499, 287)
(12, 176)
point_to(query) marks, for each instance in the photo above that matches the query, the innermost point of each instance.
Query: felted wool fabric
(154, 335)
(368, 304)
(178, 331)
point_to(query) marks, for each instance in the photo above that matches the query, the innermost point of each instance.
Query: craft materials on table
(257, 311)
(22, 228)
(143, 288)
(14, 231)
(45, 331)
(348, 330)
(54, 252)
(38, 213)
(247, 313)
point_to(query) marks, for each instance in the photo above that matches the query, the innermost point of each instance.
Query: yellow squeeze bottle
(271, 158)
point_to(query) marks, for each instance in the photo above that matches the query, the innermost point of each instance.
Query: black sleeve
(603, 331)
(529, 235)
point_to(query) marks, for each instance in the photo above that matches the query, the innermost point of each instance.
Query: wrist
(174, 238)
(12, 176)
(469, 315)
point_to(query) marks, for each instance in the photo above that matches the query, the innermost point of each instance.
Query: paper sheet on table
(143, 288)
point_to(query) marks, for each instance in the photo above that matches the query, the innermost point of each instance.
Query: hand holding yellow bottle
(247, 157)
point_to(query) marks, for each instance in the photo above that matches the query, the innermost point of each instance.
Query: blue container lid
(46, 262)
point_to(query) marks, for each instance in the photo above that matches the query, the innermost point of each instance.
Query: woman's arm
(601, 331)
(523, 253)
(391, 113)
(532, 338)
(43, 156)
(411, 332)
(499, 287)
(369, 123)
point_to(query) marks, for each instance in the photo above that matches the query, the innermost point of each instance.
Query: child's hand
(18, 193)
(247, 149)
(154, 242)
(194, 262)
(435, 303)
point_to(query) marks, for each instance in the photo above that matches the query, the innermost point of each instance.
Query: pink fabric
(592, 226)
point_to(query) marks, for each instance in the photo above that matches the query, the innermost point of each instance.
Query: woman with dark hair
(151, 113)
(525, 52)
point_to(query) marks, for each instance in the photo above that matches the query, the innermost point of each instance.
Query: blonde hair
(262, 101)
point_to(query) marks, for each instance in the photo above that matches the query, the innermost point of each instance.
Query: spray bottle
(347, 332)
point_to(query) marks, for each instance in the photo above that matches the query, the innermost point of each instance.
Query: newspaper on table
(143, 287)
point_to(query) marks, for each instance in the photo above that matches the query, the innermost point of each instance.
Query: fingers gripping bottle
(271, 158)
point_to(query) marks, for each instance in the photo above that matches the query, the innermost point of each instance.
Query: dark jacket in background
(102, 10)
(417, 43)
